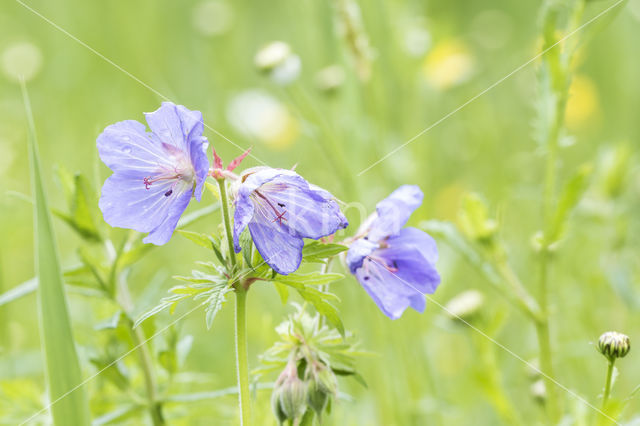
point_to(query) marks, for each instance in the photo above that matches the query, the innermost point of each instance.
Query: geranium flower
(395, 265)
(155, 174)
(281, 209)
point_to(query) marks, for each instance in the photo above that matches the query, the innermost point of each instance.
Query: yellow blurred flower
(259, 115)
(582, 106)
(449, 64)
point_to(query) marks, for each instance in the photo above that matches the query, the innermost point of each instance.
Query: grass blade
(69, 407)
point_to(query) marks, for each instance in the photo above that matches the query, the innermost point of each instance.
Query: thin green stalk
(144, 355)
(607, 386)
(242, 362)
(226, 218)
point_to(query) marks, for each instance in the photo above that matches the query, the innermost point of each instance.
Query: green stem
(226, 218)
(242, 362)
(155, 407)
(144, 355)
(607, 386)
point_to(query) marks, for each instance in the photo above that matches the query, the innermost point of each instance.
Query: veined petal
(125, 146)
(281, 251)
(394, 211)
(308, 212)
(200, 163)
(163, 232)
(388, 291)
(125, 203)
(242, 216)
(175, 125)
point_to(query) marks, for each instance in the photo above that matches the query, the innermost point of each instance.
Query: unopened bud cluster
(614, 345)
(293, 395)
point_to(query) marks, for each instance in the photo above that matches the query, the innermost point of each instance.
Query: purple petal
(125, 146)
(308, 212)
(200, 163)
(242, 216)
(388, 291)
(394, 211)
(281, 251)
(163, 232)
(175, 125)
(413, 253)
(125, 203)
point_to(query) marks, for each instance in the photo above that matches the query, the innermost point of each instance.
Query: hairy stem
(226, 218)
(607, 386)
(242, 362)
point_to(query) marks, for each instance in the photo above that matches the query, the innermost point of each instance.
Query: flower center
(182, 172)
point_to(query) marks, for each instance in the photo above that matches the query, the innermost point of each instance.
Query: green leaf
(474, 218)
(283, 292)
(317, 252)
(317, 299)
(203, 240)
(571, 195)
(19, 291)
(133, 255)
(69, 404)
(84, 216)
(119, 414)
(190, 218)
(313, 278)
(214, 303)
(164, 304)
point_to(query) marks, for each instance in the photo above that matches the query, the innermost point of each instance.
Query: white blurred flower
(416, 37)
(279, 62)
(465, 305)
(212, 17)
(21, 60)
(261, 116)
(330, 78)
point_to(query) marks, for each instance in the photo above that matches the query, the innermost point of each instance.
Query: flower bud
(289, 398)
(614, 345)
(321, 388)
(279, 62)
(539, 391)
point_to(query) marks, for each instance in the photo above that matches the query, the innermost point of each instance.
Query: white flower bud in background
(465, 306)
(278, 61)
(212, 18)
(539, 391)
(21, 61)
(329, 79)
(614, 345)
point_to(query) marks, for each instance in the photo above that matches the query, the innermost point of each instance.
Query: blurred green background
(395, 68)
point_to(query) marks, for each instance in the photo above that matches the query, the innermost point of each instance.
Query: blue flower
(395, 265)
(154, 174)
(281, 209)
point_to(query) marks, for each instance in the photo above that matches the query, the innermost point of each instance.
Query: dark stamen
(281, 205)
(169, 192)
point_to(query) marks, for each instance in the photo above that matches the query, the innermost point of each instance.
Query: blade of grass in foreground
(70, 407)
